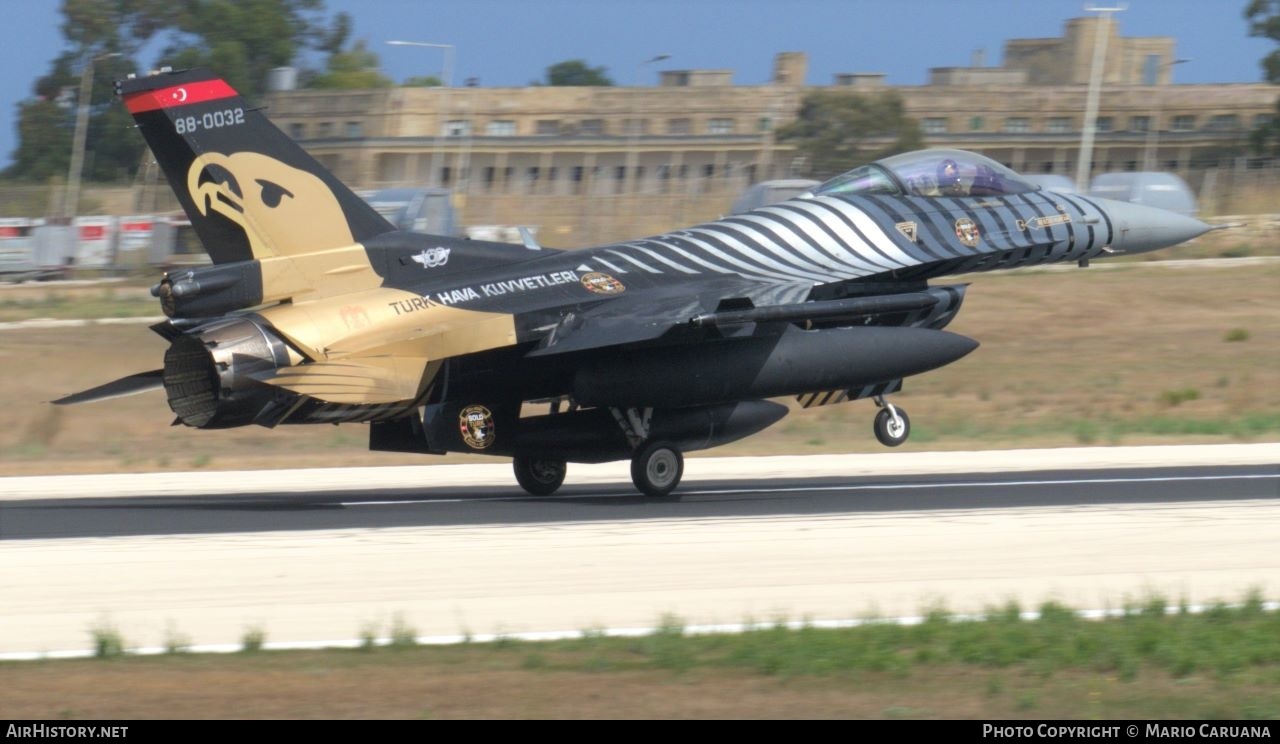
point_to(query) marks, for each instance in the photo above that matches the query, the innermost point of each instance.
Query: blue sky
(511, 42)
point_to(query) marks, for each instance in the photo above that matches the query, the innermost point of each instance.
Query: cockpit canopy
(929, 173)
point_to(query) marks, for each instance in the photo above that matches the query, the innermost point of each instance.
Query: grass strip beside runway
(1149, 660)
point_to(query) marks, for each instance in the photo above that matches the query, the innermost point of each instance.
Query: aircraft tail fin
(250, 191)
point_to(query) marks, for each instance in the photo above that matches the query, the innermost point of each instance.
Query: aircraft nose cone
(1139, 228)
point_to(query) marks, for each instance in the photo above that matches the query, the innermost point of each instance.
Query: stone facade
(697, 135)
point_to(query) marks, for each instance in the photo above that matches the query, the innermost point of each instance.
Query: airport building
(697, 135)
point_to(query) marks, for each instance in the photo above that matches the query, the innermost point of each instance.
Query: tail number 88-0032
(209, 120)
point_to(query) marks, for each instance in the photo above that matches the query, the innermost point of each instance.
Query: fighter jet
(316, 310)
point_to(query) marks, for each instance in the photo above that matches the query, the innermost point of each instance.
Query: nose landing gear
(892, 425)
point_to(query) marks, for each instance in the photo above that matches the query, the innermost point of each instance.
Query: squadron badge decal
(967, 231)
(476, 425)
(602, 283)
(430, 259)
(908, 230)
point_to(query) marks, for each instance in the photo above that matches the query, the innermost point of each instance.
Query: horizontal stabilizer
(139, 383)
(364, 381)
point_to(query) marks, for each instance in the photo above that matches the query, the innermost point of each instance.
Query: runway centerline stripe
(856, 487)
(988, 484)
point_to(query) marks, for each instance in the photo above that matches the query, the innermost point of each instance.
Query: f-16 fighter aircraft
(316, 310)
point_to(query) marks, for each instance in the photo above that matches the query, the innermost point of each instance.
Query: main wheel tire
(540, 476)
(656, 469)
(889, 432)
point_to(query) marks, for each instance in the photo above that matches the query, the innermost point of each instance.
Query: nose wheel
(892, 426)
(656, 469)
(540, 476)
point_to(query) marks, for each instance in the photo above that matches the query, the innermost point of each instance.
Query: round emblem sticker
(476, 425)
(967, 231)
(601, 283)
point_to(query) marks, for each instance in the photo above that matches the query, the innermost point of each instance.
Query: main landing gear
(540, 476)
(656, 469)
(656, 465)
(892, 426)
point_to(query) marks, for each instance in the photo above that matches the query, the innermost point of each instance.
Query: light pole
(1153, 130)
(1091, 105)
(632, 155)
(71, 200)
(446, 72)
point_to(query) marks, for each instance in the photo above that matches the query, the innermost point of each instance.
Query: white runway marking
(848, 487)
(222, 483)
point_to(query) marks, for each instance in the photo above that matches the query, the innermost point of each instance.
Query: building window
(592, 126)
(975, 124)
(679, 126)
(934, 125)
(635, 126)
(297, 130)
(1017, 125)
(1184, 123)
(457, 128)
(1151, 69)
(720, 126)
(1058, 125)
(354, 130)
(765, 124)
(1104, 124)
(1140, 124)
(548, 127)
(1262, 120)
(532, 173)
(501, 128)
(1224, 123)
(325, 129)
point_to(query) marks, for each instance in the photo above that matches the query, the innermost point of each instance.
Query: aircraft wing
(650, 314)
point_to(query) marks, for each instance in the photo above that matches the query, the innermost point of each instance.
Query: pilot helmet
(948, 174)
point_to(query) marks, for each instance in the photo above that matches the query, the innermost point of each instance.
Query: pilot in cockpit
(949, 181)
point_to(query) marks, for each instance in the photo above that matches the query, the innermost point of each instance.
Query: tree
(422, 81)
(241, 39)
(1264, 21)
(576, 72)
(46, 124)
(244, 39)
(838, 130)
(354, 69)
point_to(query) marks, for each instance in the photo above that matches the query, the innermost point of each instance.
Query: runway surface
(508, 505)
(325, 565)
